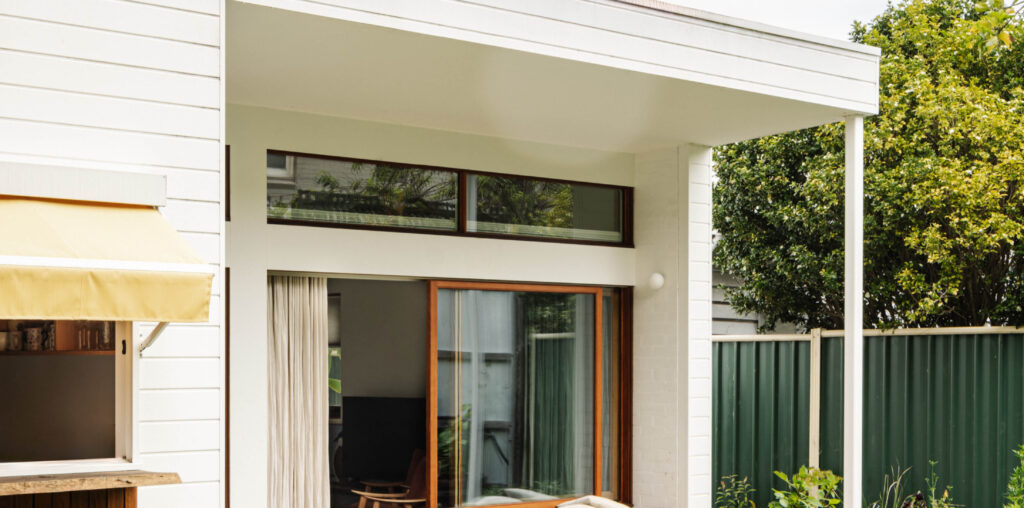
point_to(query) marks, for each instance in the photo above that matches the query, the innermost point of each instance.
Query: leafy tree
(944, 200)
(524, 201)
(399, 190)
(993, 27)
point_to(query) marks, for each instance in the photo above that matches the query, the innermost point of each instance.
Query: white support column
(853, 316)
(672, 330)
(659, 331)
(698, 326)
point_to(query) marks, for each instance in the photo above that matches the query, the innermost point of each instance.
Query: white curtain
(297, 362)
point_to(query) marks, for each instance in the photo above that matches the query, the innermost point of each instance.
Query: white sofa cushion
(596, 501)
(527, 495)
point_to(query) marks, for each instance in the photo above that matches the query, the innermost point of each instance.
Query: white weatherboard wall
(136, 87)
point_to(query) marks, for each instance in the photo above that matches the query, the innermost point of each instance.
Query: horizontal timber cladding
(954, 399)
(135, 87)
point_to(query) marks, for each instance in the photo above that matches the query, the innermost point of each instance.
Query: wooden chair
(414, 496)
(392, 487)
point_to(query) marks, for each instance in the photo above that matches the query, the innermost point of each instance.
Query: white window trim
(125, 421)
(286, 175)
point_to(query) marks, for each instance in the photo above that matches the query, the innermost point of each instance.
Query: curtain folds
(297, 363)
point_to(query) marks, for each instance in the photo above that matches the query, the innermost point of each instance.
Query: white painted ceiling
(286, 60)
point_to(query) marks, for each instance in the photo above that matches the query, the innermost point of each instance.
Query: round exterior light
(657, 281)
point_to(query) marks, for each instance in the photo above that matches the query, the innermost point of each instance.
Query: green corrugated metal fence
(956, 399)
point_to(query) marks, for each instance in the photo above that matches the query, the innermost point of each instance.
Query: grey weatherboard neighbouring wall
(954, 399)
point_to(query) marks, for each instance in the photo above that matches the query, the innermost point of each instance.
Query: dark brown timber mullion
(227, 183)
(627, 216)
(462, 201)
(626, 396)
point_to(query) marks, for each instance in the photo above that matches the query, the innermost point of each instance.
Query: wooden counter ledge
(49, 483)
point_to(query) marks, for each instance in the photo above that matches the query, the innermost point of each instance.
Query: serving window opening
(64, 390)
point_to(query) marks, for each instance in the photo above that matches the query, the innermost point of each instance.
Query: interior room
(515, 407)
(59, 390)
(378, 355)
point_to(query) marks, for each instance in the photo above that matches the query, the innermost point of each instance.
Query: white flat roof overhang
(591, 73)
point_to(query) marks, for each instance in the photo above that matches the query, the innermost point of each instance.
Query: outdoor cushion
(596, 501)
(489, 500)
(527, 495)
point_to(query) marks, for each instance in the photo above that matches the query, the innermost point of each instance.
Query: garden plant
(808, 488)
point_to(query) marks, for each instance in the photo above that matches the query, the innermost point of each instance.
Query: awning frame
(153, 335)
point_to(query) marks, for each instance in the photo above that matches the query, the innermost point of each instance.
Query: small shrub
(943, 501)
(808, 488)
(1015, 489)
(892, 495)
(734, 493)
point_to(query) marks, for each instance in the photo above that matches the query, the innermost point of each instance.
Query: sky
(829, 18)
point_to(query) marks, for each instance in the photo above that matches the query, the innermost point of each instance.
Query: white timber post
(814, 405)
(853, 316)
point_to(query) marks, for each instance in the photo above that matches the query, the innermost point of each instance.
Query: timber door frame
(432, 377)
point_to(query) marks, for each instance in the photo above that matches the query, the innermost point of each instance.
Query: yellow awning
(78, 260)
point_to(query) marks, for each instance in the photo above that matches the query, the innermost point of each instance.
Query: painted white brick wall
(135, 86)
(699, 322)
(656, 475)
(672, 329)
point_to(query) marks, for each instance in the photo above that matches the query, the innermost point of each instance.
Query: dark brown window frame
(227, 183)
(462, 214)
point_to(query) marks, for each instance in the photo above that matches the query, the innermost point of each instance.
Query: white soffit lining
(407, 70)
(685, 45)
(80, 184)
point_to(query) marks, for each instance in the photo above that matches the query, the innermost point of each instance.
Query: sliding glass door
(514, 368)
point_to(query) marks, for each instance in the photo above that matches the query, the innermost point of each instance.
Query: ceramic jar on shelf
(33, 339)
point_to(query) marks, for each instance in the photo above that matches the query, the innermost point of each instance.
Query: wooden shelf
(20, 485)
(58, 353)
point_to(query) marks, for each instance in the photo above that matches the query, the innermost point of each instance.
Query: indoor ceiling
(292, 61)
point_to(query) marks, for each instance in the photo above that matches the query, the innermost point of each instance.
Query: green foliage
(894, 496)
(808, 488)
(398, 190)
(1015, 488)
(936, 500)
(451, 440)
(334, 385)
(523, 201)
(734, 493)
(992, 28)
(944, 187)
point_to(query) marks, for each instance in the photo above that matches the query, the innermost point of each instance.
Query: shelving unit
(67, 337)
(109, 352)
